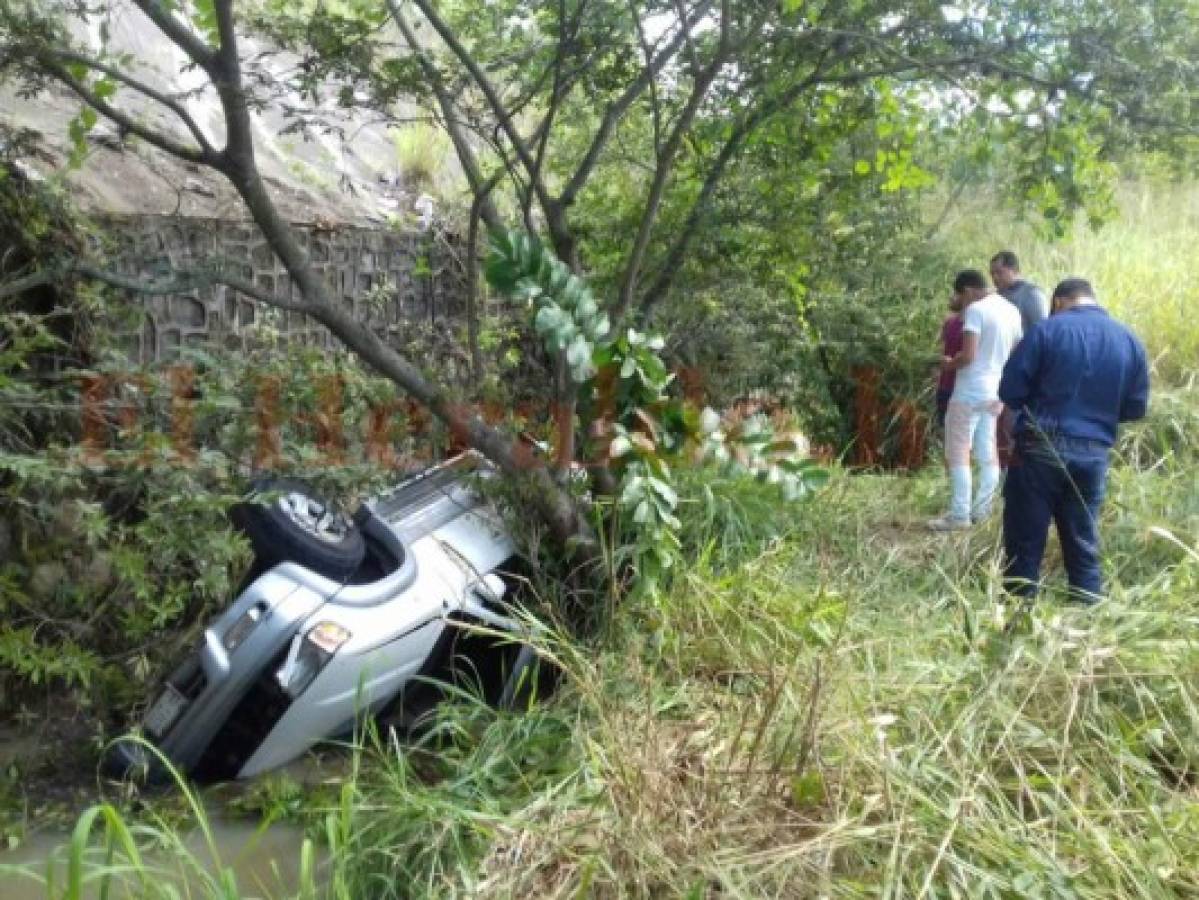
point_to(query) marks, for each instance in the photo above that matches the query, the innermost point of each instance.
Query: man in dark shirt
(1071, 381)
(1024, 295)
(1034, 309)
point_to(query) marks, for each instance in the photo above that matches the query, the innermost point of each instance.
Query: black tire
(277, 536)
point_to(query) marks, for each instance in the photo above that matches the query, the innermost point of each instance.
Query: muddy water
(265, 863)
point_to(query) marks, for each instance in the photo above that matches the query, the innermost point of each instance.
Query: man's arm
(1136, 400)
(1039, 305)
(966, 355)
(1020, 373)
(971, 327)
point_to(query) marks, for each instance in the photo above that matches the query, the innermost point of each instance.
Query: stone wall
(391, 279)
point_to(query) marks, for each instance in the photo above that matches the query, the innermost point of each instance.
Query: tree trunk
(565, 519)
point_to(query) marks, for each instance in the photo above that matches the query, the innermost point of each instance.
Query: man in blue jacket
(1071, 382)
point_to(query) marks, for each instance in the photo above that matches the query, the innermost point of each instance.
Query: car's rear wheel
(295, 525)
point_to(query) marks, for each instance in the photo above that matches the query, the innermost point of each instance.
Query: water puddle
(265, 862)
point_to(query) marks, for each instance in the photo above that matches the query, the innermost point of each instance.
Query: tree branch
(70, 56)
(227, 31)
(472, 279)
(566, 518)
(732, 146)
(699, 90)
(669, 270)
(28, 282)
(178, 33)
(180, 282)
(503, 117)
(617, 109)
(654, 104)
(466, 154)
(163, 142)
(237, 161)
(556, 95)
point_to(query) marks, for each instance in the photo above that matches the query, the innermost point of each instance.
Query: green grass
(167, 853)
(1141, 264)
(850, 708)
(829, 702)
(422, 154)
(858, 712)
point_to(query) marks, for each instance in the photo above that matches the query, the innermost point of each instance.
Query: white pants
(971, 426)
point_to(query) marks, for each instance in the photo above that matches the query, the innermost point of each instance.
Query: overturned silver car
(342, 617)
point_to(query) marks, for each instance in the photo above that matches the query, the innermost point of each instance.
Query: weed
(422, 152)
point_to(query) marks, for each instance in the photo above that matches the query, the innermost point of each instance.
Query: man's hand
(965, 356)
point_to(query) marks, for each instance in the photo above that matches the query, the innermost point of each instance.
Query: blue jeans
(1063, 482)
(970, 429)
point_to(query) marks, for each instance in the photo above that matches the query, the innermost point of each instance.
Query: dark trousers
(1063, 483)
(1005, 438)
(943, 397)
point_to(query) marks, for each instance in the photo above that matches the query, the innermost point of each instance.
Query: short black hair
(1007, 259)
(969, 278)
(1073, 288)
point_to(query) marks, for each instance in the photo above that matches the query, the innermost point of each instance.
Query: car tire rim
(314, 517)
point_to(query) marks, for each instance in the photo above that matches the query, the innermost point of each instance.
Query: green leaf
(632, 489)
(105, 88)
(665, 491)
(564, 335)
(548, 319)
(579, 352)
(206, 19)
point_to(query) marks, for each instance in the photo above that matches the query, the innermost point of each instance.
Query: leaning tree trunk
(564, 517)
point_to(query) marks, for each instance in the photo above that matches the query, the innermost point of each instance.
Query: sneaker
(948, 523)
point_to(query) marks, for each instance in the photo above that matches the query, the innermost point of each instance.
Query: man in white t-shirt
(990, 331)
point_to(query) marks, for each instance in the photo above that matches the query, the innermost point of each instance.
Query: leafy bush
(114, 546)
(115, 560)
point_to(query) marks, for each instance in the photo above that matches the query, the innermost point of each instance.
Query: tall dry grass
(829, 703)
(1142, 263)
(857, 712)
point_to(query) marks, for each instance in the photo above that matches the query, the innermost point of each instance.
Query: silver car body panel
(287, 604)
(390, 638)
(451, 541)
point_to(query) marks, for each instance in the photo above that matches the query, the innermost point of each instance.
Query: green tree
(539, 98)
